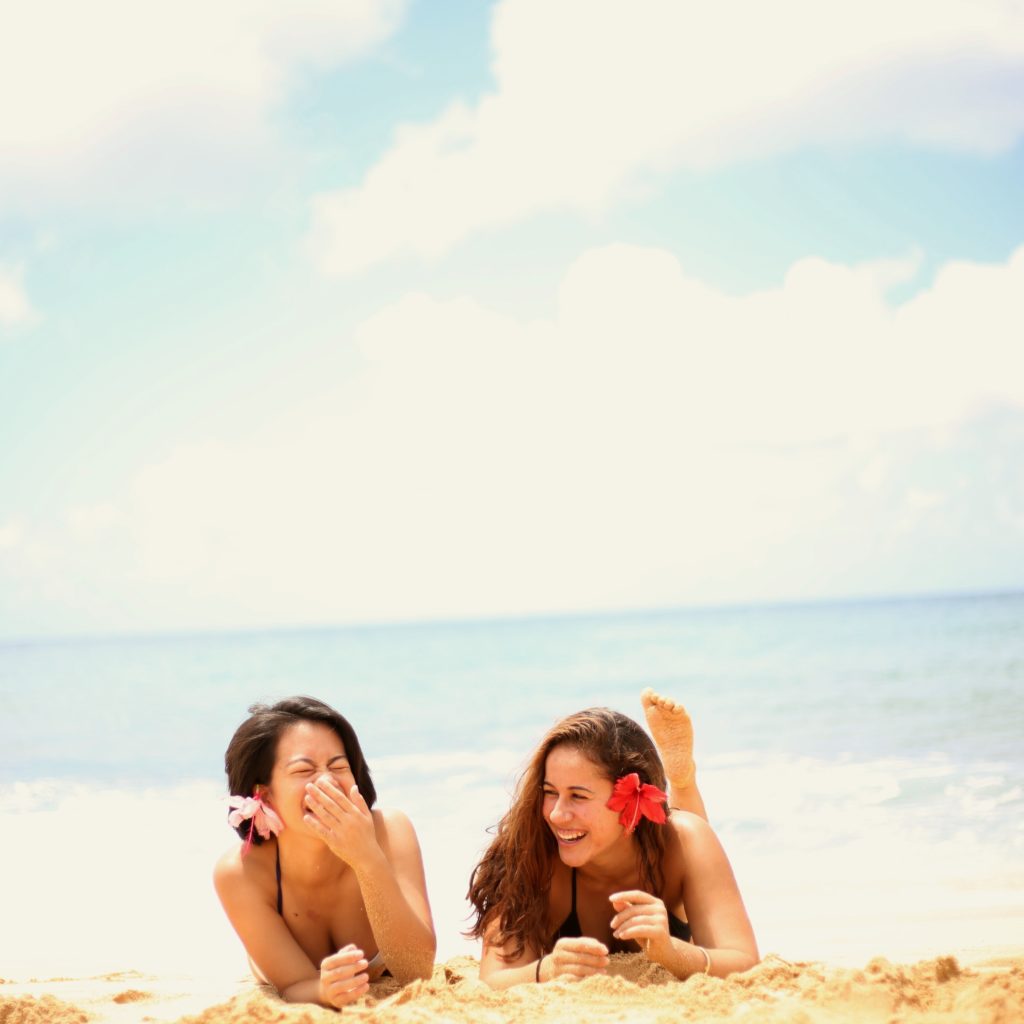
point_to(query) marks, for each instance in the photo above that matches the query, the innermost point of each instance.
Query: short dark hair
(249, 759)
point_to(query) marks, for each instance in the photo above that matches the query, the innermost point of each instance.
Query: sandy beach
(934, 991)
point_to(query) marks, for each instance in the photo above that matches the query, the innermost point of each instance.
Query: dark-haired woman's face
(305, 751)
(576, 791)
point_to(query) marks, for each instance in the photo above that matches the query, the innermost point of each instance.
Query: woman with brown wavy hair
(589, 860)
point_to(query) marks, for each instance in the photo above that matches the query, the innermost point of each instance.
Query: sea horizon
(511, 618)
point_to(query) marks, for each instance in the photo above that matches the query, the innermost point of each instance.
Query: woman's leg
(672, 730)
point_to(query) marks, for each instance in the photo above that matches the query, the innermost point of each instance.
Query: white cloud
(591, 97)
(15, 308)
(654, 442)
(10, 534)
(89, 520)
(115, 91)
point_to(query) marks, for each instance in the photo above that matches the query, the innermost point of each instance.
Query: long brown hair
(509, 887)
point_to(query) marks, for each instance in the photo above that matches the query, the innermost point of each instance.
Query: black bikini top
(570, 927)
(277, 871)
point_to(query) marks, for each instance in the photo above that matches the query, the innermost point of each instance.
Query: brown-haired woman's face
(576, 791)
(305, 751)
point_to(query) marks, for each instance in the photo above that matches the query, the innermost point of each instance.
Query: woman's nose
(560, 811)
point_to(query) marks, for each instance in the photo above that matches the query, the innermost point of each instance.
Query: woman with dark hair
(590, 860)
(326, 891)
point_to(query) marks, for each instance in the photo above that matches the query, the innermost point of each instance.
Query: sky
(358, 311)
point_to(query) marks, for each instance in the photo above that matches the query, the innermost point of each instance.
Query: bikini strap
(280, 895)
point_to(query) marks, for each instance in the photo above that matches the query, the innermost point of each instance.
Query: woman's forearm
(305, 991)
(406, 942)
(686, 959)
(506, 977)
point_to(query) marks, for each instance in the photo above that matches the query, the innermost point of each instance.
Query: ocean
(863, 763)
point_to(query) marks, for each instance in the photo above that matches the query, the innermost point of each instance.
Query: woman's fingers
(334, 794)
(345, 957)
(356, 799)
(349, 985)
(343, 976)
(583, 960)
(333, 806)
(633, 913)
(579, 971)
(583, 944)
(641, 928)
(316, 824)
(342, 997)
(322, 800)
(631, 897)
(640, 917)
(632, 905)
(579, 958)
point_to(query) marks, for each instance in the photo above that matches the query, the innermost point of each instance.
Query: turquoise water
(882, 679)
(878, 746)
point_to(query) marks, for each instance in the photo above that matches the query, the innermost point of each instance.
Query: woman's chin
(573, 855)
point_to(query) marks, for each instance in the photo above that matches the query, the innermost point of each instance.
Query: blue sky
(361, 311)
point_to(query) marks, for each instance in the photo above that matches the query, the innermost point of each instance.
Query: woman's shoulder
(234, 873)
(391, 818)
(394, 826)
(397, 837)
(686, 824)
(689, 834)
(694, 850)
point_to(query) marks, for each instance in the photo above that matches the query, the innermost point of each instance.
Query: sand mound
(931, 992)
(44, 1010)
(132, 995)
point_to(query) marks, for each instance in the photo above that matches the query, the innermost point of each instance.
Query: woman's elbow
(425, 963)
(415, 970)
(741, 960)
(748, 961)
(416, 966)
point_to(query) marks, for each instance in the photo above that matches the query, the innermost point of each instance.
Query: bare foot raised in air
(672, 730)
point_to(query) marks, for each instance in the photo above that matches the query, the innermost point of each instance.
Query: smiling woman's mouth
(568, 837)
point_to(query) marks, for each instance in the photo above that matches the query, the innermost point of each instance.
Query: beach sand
(932, 991)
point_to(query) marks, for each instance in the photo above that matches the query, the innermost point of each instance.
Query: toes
(671, 707)
(653, 701)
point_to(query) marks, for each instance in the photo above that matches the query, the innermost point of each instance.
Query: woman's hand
(343, 977)
(574, 958)
(343, 822)
(643, 918)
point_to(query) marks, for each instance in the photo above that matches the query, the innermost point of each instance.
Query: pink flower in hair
(264, 817)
